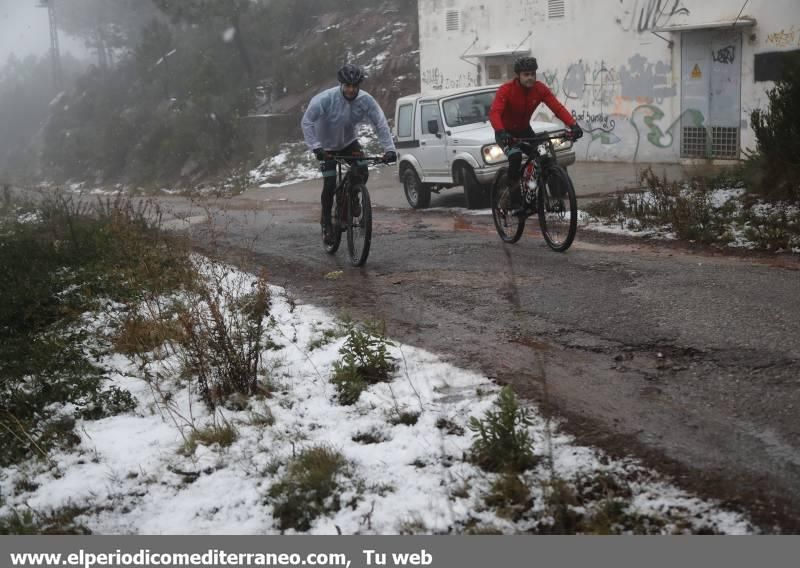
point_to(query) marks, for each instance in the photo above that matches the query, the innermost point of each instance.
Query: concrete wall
(620, 80)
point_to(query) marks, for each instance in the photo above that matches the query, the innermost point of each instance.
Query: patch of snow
(130, 472)
(30, 217)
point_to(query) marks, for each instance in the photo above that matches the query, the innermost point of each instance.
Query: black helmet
(525, 64)
(351, 74)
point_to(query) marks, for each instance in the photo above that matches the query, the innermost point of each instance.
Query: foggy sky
(25, 30)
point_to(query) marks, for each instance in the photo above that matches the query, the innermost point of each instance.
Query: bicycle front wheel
(558, 209)
(508, 226)
(359, 224)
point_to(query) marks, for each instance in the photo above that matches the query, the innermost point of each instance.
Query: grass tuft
(312, 487)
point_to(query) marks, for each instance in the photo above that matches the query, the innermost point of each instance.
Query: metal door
(711, 71)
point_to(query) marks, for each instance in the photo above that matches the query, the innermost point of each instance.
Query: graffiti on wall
(594, 122)
(645, 131)
(645, 15)
(600, 126)
(620, 108)
(597, 84)
(642, 79)
(605, 85)
(648, 120)
(726, 55)
(551, 80)
(574, 81)
(784, 39)
(433, 78)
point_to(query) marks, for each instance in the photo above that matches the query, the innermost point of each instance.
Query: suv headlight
(561, 144)
(492, 154)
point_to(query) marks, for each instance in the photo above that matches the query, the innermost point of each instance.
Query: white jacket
(330, 120)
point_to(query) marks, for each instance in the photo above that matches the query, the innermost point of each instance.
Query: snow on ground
(131, 473)
(293, 161)
(730, 198)
(291, 164)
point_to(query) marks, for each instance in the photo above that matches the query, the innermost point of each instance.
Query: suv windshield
(468, 109)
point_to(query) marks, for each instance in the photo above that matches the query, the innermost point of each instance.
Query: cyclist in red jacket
(511, 112)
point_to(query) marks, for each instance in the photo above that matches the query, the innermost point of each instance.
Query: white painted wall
(621, 81)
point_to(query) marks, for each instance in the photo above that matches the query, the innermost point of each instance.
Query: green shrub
(686, 208)
(776, 165)
(80, 253)
(501, 440)
(365, 361)
(775, 229)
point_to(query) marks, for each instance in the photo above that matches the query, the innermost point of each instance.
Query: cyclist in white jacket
(329, 128)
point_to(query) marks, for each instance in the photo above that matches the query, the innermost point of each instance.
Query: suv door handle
(422, 143)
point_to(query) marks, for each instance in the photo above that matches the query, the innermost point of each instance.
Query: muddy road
(688, 359)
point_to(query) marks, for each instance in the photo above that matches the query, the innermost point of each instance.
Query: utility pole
(55, 54)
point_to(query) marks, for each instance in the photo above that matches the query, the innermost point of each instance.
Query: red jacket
(513, 106)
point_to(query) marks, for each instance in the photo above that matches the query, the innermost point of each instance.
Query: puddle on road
(438, 222)
(454, 278)
(461, 223)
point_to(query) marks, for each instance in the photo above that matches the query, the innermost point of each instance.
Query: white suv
(444, 140)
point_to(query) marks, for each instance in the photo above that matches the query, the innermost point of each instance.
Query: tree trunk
(244, 55)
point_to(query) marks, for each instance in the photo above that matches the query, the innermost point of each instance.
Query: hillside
(385, 42)
(178, 105)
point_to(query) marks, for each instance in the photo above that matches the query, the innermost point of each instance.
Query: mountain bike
(546, 189)
(352, 209)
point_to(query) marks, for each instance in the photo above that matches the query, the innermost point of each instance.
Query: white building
(649, 80)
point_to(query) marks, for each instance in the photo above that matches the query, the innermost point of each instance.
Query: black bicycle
(546, 189)
(352, 210)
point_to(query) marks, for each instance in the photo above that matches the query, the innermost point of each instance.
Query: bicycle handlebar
(549, 135)
(346, 159)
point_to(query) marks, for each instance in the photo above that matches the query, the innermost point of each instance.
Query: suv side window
(404, 115)
(427, 113)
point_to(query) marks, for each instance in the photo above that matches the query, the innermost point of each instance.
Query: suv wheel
(417, 193)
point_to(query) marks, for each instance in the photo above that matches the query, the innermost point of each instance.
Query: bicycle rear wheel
(333, 245)
(359, 224)
(558, 209)
(508, 227)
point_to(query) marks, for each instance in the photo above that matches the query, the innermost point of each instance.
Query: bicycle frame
(353, 210)
(346, 180)
(554, 208)
(540, 150)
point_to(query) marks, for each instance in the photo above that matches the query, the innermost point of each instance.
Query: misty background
(175, 91)
(25, 30)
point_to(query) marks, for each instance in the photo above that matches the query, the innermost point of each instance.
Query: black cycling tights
(329, 176)
(515, 159)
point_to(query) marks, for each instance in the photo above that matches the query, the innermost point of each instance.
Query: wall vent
(694, 142)
(555, 9)
(453, 20)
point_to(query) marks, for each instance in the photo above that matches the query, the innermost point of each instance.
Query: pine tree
(777, 132)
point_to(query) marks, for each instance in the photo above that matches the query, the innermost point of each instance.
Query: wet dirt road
(687, 359)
